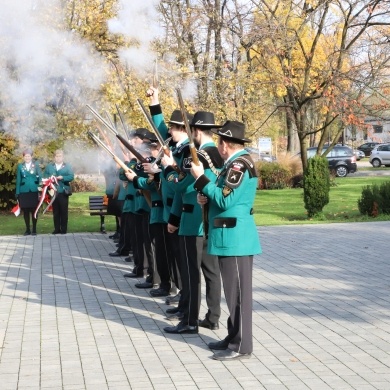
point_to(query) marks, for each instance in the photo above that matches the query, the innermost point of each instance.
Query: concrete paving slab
(321, 316)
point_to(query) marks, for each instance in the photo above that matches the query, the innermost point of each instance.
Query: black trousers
(60, 213)
(191, 257)
(212, 276)
(137, 243)
(124, 244)
(174, 260)
(149, 250)
(237, 284)
(159, 235)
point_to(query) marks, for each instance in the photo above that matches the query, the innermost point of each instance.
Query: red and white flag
(16, 210)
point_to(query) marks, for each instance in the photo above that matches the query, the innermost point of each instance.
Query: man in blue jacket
(233, 236)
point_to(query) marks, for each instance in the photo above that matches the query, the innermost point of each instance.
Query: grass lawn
(284, 207)
(272, 207)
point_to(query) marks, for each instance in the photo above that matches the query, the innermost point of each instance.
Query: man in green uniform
(191, 233)
(233, 236)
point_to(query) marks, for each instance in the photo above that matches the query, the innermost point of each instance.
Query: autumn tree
(314, 57)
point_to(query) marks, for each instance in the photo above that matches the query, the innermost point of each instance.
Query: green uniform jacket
(157, 210)
(129, 203)
(28, 180)
(168, 194)
(65, 171)
(191, 223)
(232, 229)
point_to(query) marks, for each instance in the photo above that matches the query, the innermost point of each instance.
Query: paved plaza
(321, 316)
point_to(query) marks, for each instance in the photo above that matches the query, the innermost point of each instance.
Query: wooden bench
(97, 207)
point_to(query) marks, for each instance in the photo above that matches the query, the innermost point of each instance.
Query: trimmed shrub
(316, 185)
(273, 176)
(375, 200)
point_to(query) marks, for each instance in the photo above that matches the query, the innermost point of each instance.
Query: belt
(129, 197)
(169, 202)
(187, 208)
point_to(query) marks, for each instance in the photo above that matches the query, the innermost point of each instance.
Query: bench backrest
(96, 203)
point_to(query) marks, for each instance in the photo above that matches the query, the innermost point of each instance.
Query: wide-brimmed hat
(177, 118)
(234, 131)
(204, 120)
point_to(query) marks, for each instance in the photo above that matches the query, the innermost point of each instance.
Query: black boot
(34, 229)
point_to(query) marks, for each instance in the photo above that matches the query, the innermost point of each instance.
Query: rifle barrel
(107, 149)
(194, 155)
(102, 120)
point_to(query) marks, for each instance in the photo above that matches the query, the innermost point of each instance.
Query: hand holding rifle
(154, 88)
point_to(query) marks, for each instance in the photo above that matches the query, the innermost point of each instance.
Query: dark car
(367, 147)
(341, 159)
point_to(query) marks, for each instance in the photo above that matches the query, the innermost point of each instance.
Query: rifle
(130, 147)
(155, 75)
(154, 128)
(107, 149)
(154, 80)
(194, 154)
(122, 120)
(120, 163)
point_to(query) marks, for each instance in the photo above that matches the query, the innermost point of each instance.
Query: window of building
(378, 128)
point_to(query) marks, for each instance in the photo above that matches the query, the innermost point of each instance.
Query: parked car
(258, 156)
(380, 155)
(359, 154)
(367, 147)
(341, 159)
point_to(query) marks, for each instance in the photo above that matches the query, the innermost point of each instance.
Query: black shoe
(115, 254)
(175, 316)
(63, 232)
(206, 323)
(132, 275)
(34, 233)
(159, 292)
(27, 233)
(56, 232)
(219, 345)
(172, 299)
(173, 310)
(228, 354)
(149, 279)
(144, 285)
(128, 259)
(114, 236)
(182, 328)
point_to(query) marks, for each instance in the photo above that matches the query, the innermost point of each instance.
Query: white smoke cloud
(41, 63)
(138, 21)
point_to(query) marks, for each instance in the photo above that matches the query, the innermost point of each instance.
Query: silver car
(359, 154)
(380, 155)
